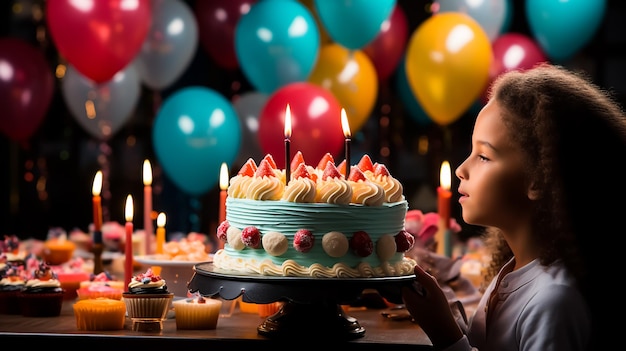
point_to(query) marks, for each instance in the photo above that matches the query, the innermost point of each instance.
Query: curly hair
(573, 135)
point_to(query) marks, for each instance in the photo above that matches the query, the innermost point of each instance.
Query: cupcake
(95, 291)
(147, 301)
(100, 314)
(198, 313)
(58, 249)
(12, 280)
(71, 274)
(42, 295)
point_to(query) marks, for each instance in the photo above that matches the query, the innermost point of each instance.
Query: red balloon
(315, 123)
(26, 88)
(99, 38)
(513, 51)
(217, 20)
(387, 49)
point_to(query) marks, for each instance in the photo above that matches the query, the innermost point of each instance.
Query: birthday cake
(321, 224)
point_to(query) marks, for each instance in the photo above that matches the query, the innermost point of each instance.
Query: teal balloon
(353, 23)
(195, 130)
(277, 42)
(410, 103)
(562, 28)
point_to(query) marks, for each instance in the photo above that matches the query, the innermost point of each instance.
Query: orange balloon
(351, 77)
(447, 64)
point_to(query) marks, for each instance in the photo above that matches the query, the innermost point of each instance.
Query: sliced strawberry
(330, 171)
(271, 161)
(251, 237)
(404, 241)
(301, 172)
(222, 229)
(248, 168)
(365, 164)
(361, 244)
(356, 174)
(303, 240)
(264, 169)
(325, 159)
(342, 167)
(381, 169)
(297, 160)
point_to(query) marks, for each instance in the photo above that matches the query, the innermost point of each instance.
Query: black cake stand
(308, 302)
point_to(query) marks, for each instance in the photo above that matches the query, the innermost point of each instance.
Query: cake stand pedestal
(308, 302)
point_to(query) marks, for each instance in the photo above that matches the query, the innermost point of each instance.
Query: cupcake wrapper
(194, 316)
(100, 316)
(145, 306)
(41, 304)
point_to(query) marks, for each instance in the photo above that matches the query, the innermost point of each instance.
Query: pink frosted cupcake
(12, 281)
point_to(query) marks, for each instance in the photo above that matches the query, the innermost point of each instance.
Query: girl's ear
(533, 193)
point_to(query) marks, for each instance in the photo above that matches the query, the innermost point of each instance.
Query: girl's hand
(429, 307)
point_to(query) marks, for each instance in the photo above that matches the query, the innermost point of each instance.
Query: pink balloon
(217, 20)
(387, 48)
(513, 51)
(99, 38)
(315, 122)
(26, 88)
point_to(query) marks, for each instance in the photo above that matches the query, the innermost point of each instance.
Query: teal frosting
(288, 217)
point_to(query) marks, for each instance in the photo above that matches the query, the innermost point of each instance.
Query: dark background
(46, 181)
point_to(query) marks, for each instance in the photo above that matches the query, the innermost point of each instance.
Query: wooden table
(237, 330)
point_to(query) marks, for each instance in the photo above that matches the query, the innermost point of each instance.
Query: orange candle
(128, 245)
(147, 206)
(287, 144)
(160, 233)
(443, 205)
(348, 135)
(97, 208)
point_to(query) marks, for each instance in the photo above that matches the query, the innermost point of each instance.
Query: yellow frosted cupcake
(199, 313)
(100, 314)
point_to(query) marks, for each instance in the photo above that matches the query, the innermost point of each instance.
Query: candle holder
(97, 250)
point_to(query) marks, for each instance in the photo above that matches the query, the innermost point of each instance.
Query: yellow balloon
(351, 77)
(447, 64)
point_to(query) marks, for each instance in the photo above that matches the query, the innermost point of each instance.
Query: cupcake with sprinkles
(147, 301)
(42, 295)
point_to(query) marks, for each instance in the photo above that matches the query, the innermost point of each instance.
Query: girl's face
(493, 186)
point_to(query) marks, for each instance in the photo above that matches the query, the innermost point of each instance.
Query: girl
(543, 180)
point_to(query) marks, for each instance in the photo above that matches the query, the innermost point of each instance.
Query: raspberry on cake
(279, 229)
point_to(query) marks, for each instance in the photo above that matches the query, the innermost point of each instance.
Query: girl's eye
(483, 158)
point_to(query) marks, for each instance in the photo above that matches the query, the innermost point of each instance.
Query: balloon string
(194, 216)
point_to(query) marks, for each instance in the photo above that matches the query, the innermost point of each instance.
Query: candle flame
(129, 208)
(147, 173)
(288, 122)
(445, 176)
(97, 184)
(161, 220)
(224, 176)
(344, 124)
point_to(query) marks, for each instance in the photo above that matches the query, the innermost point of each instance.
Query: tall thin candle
(97, 208)
(128, 245)
(444, 246)
(287, 144)
(147, 206)
(98, 246)
(160, 233)
(223, 192)
(348, 135)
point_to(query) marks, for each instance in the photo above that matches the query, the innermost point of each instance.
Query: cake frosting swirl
(147, 283)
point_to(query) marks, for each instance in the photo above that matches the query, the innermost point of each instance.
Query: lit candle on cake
(147, 205)
(128, 245)
(444, 245)
(287, 144)
(160, 233)
(348, 135)
(97, 208)
(223, 191)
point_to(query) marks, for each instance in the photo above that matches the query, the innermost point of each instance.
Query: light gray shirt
(534, 308)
